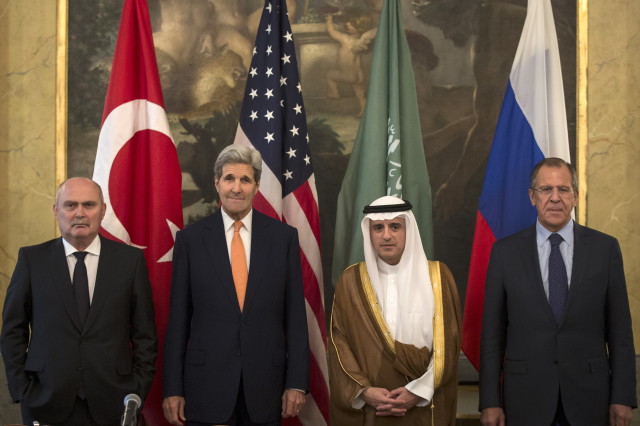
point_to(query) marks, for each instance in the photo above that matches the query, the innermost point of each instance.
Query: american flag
(273, 121)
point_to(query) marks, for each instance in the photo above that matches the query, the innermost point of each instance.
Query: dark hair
(557, 163)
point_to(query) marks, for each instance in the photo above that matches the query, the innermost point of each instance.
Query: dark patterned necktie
(558, 282)
(81, 287)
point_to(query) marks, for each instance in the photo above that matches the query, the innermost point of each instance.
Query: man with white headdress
(395, 328)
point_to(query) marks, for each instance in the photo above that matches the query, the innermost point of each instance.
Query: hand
(493, 416)
(405, 397)
(385, 405)
(620, 415)
(292, 402)
(329, 18)
(173, 408)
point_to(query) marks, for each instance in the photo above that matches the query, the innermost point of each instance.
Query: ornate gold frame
(62, 58)
(582, 135)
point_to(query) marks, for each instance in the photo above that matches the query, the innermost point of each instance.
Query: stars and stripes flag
(273, 121)
(137, 167)
(532, 126)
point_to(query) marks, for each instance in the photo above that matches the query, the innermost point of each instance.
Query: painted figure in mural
(354, 42)
(389, 363)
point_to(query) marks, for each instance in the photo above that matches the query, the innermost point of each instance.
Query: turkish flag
(138, 170)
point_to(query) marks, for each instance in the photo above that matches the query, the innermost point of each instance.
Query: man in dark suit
(72, 352)
(236, 348)
(557, 346)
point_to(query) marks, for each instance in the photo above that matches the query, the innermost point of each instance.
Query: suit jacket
(589, 357)
(210, 344)
(48, 357)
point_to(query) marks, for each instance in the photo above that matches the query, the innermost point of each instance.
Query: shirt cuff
(358, 402)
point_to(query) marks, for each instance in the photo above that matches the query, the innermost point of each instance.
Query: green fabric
(388, 155)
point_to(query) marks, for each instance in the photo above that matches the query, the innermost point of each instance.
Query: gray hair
(238, 154)
(557, 163)
(79, 177)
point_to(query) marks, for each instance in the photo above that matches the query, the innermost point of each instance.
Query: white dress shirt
(91, 261)
(245, 233)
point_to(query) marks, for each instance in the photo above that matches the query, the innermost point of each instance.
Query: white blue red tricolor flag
(273, 121)
(532, 126)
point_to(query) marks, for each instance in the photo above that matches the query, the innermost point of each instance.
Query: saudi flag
(388, 156)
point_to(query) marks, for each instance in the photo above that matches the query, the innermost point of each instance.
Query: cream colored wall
(27, 138)
(613, 149)
(27, 127)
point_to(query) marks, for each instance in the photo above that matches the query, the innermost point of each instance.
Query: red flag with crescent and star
(137, 167)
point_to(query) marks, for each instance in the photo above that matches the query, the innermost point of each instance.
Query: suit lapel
(215, 241)
(108, 268)
(529, 248)
(62, 282)
(260, 243)
(580, 250)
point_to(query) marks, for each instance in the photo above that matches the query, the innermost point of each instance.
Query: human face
(388, 238)
(554, 210)
(79, 212)
(236, 188)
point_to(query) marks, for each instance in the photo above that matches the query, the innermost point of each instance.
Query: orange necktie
(239, 264)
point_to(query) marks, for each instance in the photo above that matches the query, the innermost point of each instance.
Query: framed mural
(462, 52)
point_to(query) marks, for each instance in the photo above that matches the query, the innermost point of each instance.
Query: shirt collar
(228, 221)
(385, 268)
(542, 233)
(93, 248)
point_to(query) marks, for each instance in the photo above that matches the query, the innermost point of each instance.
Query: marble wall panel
(27, 127)
(613, 156)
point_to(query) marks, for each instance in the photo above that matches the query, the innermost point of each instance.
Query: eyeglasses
(546, 191)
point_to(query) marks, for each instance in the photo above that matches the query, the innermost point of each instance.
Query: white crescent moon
(119, 127)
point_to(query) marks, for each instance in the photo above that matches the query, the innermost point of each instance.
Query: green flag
(388, 156)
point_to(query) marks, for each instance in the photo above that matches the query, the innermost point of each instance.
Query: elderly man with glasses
(557, 346)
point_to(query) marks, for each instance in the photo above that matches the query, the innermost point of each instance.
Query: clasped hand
(390, 403)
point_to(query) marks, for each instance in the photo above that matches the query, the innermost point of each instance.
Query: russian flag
(532, 126)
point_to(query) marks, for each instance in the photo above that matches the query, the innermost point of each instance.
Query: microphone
(131, 404)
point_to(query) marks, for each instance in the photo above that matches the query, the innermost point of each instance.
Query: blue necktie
(558, 282)
(81, 287)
